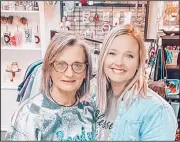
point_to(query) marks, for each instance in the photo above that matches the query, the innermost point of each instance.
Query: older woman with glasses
(59, 112)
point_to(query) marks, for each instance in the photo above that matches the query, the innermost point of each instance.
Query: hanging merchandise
(69, 6)
(7, 37)
(3, 20)
(127, 17)
(37, 38)
(10, 19)
(106, 25)
(24, 20)
(83, 2)
(17, 20)
(116, 18)
(96, 18)
(86, 17)
(28, 34)
(18, 38)
(95, 56)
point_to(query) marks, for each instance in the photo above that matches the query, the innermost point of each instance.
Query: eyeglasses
(62, 66)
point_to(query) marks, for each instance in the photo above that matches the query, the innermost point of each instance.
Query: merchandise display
(25, 29)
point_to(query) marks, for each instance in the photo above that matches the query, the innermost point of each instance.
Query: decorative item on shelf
(173, 87)
(171, 33)
(50, 2)
(36, 6)
(5, 5)
(64, 24)
(28, 5)
(171, 53)
(19, 6)
(11, 5)
(13, 69)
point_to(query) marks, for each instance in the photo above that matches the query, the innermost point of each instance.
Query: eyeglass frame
(86, 65)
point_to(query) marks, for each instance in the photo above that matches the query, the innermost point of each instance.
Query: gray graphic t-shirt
(105, 121)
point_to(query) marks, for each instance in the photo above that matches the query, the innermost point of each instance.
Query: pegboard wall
(82, 19)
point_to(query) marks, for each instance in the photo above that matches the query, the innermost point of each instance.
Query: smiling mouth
(68, 81)
(118, 70)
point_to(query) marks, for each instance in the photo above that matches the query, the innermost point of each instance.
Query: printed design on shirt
(84, 136)
(101, 122)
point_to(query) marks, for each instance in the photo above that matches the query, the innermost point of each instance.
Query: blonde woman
(128, 109)
(58, 113)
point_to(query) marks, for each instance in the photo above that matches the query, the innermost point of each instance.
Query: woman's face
(122, 60)
(63, 76)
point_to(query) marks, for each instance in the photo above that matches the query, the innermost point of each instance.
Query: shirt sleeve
(161, 125)
(24, 127)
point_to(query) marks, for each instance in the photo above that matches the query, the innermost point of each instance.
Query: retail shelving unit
(173, 71)
(23, 55)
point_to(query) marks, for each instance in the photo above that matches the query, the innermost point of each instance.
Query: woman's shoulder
(28, 107)
(88, 101)
(152, 103)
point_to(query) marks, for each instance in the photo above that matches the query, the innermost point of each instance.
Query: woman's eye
(130, 56)
(111, 53)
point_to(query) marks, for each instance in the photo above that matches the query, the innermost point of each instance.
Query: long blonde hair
(138, 84)
(57, 44)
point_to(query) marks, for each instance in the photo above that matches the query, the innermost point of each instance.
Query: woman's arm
(161, 125)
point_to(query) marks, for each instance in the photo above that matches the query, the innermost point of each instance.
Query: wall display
(171, 13)
(102, 17)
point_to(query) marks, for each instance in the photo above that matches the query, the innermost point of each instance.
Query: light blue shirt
(151, 119)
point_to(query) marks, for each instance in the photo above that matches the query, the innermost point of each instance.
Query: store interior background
(51, 18)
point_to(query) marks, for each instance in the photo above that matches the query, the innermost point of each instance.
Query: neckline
(74, 104)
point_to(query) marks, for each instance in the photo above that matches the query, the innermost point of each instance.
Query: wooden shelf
(170, 37)
(18, 11)
(10, 86)
(21, 48)
(172, 67)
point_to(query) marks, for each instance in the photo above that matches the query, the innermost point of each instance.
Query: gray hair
(103, 84)
(57, 44)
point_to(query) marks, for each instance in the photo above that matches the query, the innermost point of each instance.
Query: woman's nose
(119, 62)
(69, 72)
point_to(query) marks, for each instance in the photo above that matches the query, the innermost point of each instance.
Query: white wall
(52, 19)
